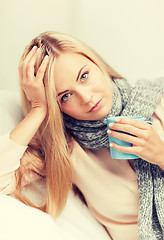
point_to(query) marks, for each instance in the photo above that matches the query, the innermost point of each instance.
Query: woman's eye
(65, 97)
(84, 76)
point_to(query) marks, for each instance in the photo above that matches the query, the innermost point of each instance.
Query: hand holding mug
(132, 137)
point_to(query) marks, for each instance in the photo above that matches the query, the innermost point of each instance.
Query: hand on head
(31, 83)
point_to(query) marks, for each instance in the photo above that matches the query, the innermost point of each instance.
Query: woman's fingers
(42, 69)
(25, 64)
(146, 142)
(27, 67)
(136, 128)
(30, 66)
(126, 137)
(130, 150)
(32, 85)
(133, 122)
(136, 132)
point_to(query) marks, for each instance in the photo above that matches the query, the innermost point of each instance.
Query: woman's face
(82, 90)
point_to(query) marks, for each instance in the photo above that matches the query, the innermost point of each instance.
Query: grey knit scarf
(138, 100)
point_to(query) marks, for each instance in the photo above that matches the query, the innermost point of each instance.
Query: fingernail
(34, 47)
(108, 131)
(46, 58)
(110, 125)
(117, 119)
(111, 144)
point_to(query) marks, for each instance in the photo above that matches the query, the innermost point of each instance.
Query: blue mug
(114, 153)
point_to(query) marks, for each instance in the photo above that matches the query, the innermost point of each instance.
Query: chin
(105, 111)
(98, 117)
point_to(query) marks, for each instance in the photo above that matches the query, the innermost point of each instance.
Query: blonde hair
(53, 143)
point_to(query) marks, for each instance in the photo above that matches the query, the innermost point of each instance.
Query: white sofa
(19, 221)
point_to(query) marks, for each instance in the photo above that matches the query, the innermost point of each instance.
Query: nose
(85, 96)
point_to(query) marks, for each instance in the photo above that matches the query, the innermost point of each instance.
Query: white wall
(129, 34)
(20, 21)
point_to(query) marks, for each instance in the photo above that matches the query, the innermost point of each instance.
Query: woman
(68, 91)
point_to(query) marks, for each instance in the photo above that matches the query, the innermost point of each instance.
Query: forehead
(67, 66)
(68, 61)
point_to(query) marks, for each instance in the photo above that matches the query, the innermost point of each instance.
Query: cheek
(100, 82)
(104, 87)
(72, 110)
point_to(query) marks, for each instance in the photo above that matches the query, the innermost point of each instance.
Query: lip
(96, 106)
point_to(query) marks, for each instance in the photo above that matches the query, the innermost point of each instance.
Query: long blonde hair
(53, 143)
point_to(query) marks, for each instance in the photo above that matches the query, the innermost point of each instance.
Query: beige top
(109, 185)
(110, 189)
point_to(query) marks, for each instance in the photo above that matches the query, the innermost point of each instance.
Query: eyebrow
(76, 81)
(62, 93)
(80, 72)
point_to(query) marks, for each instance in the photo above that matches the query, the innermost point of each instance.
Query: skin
(77, 101)
(35, 92)
(81, 95)
(146, 142)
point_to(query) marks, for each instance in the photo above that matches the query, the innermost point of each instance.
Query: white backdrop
(129, 34)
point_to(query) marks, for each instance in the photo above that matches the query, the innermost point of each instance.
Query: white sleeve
(10, 155)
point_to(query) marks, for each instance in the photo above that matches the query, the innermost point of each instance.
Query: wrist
(40, 111)
(27, 128)
(161, 159)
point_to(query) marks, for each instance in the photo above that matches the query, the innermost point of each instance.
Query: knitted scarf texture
(138, 100)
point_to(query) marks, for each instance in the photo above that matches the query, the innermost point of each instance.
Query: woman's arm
(10, 155)
(13, 145)
(26, 129)
(35, 93)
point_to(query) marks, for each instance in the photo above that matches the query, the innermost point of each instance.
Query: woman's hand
(35, 92)
(33, 85)
(146, 143)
